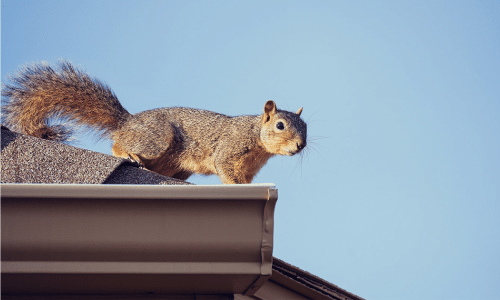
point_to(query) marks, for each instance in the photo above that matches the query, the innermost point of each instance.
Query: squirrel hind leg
(119, 152)
(144, 137)
(161, 165)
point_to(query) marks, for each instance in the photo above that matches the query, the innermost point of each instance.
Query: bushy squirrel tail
(39, 95)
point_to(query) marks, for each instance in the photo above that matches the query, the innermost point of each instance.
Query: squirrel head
(282, 132)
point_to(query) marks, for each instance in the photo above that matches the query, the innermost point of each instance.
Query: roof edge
(306, 283)
(127, 191)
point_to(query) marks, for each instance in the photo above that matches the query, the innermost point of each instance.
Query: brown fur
(175, 142)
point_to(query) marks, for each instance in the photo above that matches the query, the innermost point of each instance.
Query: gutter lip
(119, 191)
(106, 267)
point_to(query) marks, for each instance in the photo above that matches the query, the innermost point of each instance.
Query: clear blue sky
(398, 195)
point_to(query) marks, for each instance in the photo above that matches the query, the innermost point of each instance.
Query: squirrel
(174, 141)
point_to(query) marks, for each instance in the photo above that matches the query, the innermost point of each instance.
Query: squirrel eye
(280, 125)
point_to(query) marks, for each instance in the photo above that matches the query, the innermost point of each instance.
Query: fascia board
(164, 239)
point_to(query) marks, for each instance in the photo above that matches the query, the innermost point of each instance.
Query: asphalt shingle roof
(26, 159)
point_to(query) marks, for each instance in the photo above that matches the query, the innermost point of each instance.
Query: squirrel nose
(301, 146)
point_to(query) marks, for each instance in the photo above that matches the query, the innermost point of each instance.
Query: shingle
(127, 174)
(26, 159)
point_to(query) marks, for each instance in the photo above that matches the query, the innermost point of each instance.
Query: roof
(292, 283)
(26, 159)
(48, 166)
(305, 283)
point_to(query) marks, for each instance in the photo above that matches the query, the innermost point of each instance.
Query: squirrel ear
(299, 111)
(269, 110)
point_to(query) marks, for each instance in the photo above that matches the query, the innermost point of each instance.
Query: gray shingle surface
(26, 159)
